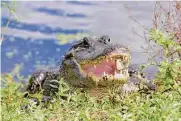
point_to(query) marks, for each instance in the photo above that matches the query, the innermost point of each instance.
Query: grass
(164, 104)
(156, 106)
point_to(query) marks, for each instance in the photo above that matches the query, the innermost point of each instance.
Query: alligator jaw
(112, 69)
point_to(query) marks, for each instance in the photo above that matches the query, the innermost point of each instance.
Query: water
(32, 41)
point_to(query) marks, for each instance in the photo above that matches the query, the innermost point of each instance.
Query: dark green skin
(85, 49)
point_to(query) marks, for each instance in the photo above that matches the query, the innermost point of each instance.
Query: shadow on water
(32, 41)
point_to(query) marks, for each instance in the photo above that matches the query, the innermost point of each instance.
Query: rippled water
(32, 40)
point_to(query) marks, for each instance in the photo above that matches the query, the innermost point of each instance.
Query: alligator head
(91, 62)
(95, 62)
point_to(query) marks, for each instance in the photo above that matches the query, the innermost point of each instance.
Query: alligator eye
(109, 40)
(86, 41)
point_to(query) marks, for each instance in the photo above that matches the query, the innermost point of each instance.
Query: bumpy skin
(43, 80)
(86, 49)
(135, 79)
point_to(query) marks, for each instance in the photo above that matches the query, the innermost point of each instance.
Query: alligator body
(89, 63)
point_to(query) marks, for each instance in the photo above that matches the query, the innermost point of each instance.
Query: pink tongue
(104, 66)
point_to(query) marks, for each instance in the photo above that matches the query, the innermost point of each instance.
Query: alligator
(90, 63)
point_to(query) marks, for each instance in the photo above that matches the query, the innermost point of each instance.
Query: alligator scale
(89, 63)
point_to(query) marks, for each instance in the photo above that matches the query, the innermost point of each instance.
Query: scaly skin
(90, 52)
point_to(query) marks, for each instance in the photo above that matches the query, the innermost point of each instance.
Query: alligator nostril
(105, 39)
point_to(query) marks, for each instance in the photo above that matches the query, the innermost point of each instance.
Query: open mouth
(113, 66)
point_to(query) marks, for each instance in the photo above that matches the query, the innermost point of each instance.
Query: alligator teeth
(115, 73)
(111, 58)
(94, 66)
(118, 64)
(104, 73)
(125, 57)
(125, 73)
(107, 60)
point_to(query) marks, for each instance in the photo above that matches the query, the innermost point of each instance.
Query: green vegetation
(80, 106)
(169, 69)
(12, 14)
(161, 105)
